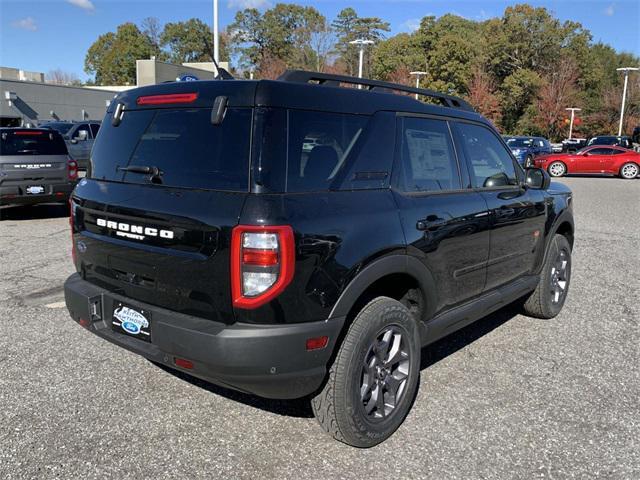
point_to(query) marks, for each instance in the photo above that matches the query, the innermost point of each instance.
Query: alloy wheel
(629, 171)
(384, 374)
(556, 169)
(559, 277)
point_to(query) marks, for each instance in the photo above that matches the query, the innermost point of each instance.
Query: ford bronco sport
(298, 238)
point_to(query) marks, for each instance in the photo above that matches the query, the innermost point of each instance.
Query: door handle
(430, 222)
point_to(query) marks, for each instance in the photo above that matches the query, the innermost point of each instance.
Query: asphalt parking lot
(508, 397)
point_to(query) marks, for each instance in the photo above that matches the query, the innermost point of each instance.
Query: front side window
(94, 129)
(599, 151)
(491, 164)
(82, 128)
(427, 158)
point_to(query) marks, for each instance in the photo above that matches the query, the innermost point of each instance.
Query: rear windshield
(31, 142)
(188, 150)
(60, 127)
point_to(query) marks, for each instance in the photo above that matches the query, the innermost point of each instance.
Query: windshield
(519, 142)
(60, 127)
(32, 142)
(183, 144)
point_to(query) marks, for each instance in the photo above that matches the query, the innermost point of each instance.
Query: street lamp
(216, 36)
(361, 43)
(573, 110)
(418, 75)
(626, 71)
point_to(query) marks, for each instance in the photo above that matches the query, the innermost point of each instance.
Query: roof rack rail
(329, 79)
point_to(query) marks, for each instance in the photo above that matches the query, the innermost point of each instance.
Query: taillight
(72, 215)
(167, 98)
(72, 166)
(262, 263)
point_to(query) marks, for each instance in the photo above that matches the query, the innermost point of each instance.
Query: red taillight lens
(262, 263)
(28, 133)
(72, 214)
(168, 98)
(72, 166)
(183, 363)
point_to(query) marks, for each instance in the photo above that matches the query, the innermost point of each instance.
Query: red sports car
(608, 160)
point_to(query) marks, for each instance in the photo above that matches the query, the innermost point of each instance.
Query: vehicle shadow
(301, 408)
(34, 212)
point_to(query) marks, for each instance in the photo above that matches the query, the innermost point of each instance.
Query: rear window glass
(183, 144)
(319, 143)
(36, 142)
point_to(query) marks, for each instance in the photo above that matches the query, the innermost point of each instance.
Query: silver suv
(79, 137)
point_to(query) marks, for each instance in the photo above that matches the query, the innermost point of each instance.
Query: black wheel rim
(385, 372)
(560, 277)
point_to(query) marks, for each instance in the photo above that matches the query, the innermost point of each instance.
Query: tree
(112, 57)
(517, 92)
(191, 41)
(482, 95)
(152, 29)
(61, 77)
(348, 27)
(558, 91)
(296, 35)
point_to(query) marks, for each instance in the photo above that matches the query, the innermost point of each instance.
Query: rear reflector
(36, 132)
(182, 363)
(317, 343)
(84, 322)
(168, 98)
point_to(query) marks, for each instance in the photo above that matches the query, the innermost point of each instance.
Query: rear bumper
(16, 194)
(266, 360)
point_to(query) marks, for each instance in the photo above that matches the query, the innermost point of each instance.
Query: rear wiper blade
(153, 171)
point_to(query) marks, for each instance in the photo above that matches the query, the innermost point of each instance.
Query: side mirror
(81, 136)
(537, 178)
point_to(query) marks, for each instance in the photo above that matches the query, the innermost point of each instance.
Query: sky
(50, 34)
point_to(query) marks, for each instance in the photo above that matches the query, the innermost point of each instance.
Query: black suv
(297, 238)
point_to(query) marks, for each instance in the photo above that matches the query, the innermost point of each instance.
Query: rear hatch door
(153, 218)
(31, 160)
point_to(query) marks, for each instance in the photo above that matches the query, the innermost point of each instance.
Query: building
(27, 101)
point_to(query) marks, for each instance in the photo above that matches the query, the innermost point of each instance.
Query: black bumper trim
(266, 360)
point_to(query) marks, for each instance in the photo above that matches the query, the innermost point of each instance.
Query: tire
(347, 406)
(629, 170)
(548, 298)
(557, 169)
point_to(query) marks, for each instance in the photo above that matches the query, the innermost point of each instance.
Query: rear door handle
(426, 224)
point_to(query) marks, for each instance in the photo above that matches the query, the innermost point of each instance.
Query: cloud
(609, 11)
(413, 24)
(25, 24)
(242, 4)
(83, 4)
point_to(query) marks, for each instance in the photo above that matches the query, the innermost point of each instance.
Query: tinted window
(182, 143)
(319, 143)
(94, 129)
(600, 151)
(518, 142)
(33, 142)
(614, 151)
(60, 127)
(427, 157)
(491, 164)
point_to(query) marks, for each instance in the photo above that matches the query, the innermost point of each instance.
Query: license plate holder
(131, 321)
(34, 189)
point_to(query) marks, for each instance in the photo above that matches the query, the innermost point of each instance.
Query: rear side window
(427, 157)
(183, 144)
(318, 146)
(32, 142)
(490, 162)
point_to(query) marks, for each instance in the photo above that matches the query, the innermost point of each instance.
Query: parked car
(210, 239)
(609, 160)
(624, 142)
(34, 167)
(557, 147)
(572, 145)
(525, 149)
(79, 137)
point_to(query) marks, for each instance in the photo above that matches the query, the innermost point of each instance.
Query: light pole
(573, 110)
(361, 43)
(216, 36)
(626, 71)
(418, 75)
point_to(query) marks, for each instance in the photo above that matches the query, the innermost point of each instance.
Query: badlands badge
(131, 321)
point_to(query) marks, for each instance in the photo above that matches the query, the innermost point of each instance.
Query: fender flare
(380, 268)
(564, 217)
